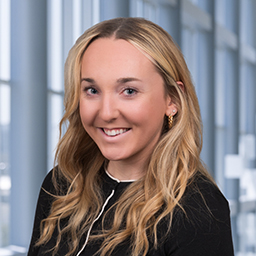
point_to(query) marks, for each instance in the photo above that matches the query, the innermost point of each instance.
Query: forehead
(113, 53)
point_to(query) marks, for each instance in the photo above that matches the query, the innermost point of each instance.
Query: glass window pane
(5, 182)
(248, 20)
(95, 11)
(150, 12)
(203, 4)
(226, 14)
(5, 40)
(54, 116)
(247, 233)
(55, 63)
(5, 94)
(189, 49)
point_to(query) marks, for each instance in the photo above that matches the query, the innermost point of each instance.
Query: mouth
(115, 132)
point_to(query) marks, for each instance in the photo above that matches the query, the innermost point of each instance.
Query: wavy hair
(172, 165)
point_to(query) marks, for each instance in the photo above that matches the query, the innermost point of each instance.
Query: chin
(111, 156)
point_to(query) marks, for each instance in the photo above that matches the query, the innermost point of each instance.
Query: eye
(130, 91)
(90, 90)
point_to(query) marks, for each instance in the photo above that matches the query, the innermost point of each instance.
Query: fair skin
(122, 105)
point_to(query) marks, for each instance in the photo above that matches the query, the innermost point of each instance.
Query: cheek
(84, 113)
(155, 108)
(155, 117)
(149, 116)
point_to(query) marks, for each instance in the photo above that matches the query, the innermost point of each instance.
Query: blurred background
(218, 39)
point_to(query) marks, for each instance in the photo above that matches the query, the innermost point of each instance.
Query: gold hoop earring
(170, 121)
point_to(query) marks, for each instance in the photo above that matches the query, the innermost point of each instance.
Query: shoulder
(202, 196)
(44, 202)
(54, 183)
(203, 228)
(205, 207)
(47, 182)
(49, 190)
(46, 195)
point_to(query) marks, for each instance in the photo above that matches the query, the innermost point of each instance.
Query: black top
(198, 233)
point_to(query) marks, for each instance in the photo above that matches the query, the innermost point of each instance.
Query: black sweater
(203, 231)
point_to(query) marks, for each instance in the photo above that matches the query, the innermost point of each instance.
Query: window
(5, 118)
(66, 22)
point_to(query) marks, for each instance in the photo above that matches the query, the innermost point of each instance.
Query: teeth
(115, 132)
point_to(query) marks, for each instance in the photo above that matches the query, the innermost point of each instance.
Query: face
(122, 101)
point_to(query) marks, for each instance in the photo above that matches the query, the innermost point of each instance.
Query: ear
(171, 107)
(181, 85)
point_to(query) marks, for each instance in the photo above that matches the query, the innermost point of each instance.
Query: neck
(123, 171)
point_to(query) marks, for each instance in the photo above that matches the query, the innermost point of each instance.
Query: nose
(109, 110)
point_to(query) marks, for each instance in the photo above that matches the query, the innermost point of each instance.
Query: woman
(129, 179)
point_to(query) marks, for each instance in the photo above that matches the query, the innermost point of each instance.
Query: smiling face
(122, 102)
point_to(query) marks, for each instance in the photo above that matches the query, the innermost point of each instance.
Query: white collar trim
(117, 180)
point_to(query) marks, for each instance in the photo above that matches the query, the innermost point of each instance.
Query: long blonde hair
(173, 163)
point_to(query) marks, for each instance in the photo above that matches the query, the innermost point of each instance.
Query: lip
(114, 132)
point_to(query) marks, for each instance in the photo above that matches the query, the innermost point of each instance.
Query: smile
(114, 132)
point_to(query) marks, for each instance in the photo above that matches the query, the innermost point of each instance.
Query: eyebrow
(89, 80)
(127, 79)
(122, 80)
